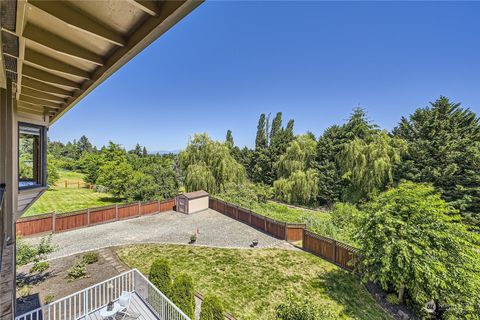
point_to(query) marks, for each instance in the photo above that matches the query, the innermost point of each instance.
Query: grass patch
(251, 283)
(60, 199)
(318, 221)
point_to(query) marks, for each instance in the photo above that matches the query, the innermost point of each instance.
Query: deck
(138, 310)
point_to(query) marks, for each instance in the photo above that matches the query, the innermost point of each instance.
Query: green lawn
(60, 199)
(252, 282)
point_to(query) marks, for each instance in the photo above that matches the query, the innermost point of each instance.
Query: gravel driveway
(214, 229)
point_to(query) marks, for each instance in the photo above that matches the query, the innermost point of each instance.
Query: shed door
(182, 205)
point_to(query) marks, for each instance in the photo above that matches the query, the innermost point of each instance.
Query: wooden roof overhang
(56, 52)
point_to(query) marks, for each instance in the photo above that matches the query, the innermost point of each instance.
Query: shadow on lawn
(347, 290)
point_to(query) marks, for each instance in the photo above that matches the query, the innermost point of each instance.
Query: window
(31, 156)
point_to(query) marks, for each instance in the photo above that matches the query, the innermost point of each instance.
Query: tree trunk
(401, 293)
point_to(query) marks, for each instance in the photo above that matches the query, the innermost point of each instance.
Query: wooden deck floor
(138, 311)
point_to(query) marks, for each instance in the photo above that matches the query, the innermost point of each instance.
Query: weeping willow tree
(368, 164)
(298, 182)
(208, 165)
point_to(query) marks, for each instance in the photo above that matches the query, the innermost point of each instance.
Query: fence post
(334, 251)
(116, 212)
(236, 211)
(250, 217)
(88, 216)
(265, 221)
(286, 231)
(85, 303)
(139, 208)
(158, 204)
(53, 220)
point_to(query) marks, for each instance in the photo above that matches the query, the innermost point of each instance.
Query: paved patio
(214, 229)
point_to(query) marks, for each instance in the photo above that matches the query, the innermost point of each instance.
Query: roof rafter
(53, 64)
(44, 87)
(78, 20)
(39, 102)
(150, 7)
(41, 95)
(44, 76)
(60, 45)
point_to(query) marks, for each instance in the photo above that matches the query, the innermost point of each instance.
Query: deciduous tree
(411, 240)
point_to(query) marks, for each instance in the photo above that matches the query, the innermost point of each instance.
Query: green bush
(183, 294)
(393, 299)
(40, 267)
(33, 253)
(297, 309)
(78, 271)
(212, 309)
(48, 299)
(161, 276)
(90, 257)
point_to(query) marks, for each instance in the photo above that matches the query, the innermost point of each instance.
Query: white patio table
(110, 314)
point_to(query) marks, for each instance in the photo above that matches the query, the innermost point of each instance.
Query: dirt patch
(53, 285)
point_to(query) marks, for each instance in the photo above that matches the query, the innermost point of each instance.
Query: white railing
(80, 304)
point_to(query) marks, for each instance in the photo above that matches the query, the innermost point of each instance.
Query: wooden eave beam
(170, 12)
(41, 95)
(150, 7)
(60, 45)
(78, 20)
(53, 64)
(45, 76)
(44, 87)
(39, 102)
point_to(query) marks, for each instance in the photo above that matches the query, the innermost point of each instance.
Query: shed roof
(195, 194)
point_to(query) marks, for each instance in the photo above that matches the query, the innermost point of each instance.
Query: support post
(158, 204)
(116, 212)
(54, 222)
(88, 217)
(139, 208)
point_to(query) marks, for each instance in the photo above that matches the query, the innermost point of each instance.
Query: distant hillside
(164, 151)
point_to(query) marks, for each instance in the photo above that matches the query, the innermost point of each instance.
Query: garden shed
(192, 202)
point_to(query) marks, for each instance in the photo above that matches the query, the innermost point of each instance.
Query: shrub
(297, 309)
(392, 299)
(48, 299)
(24, 291)
(161, 276)
(193, 237)
(90, 257)
(33, 253)
(212, 309)
(183, 294)
(78, 271)
(40, 267)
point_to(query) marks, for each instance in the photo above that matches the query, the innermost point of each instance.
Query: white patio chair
(124, 301)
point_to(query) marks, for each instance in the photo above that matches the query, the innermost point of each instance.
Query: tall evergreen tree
(84, 144)
(276, 131)
(261, 141)
(144, 152)
(444, 149)
(229, 138)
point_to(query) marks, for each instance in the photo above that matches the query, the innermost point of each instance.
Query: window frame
(43, 156)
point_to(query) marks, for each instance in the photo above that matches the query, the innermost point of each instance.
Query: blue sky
(227, 62)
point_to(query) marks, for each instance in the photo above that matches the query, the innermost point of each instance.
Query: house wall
(198, 204)
(8, 169)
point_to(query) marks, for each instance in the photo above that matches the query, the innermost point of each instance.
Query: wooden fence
(278, 229)
(327, 248)
(52, 222)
